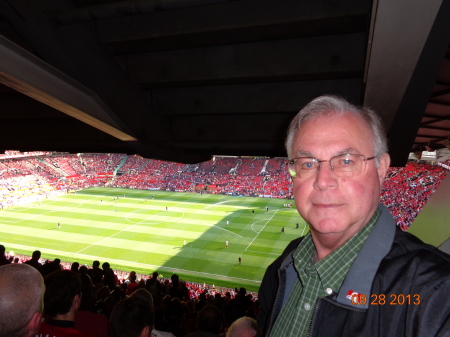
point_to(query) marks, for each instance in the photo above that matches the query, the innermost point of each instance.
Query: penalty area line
(261, 230)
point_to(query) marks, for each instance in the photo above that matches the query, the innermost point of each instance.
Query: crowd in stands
(223, 175)
(25, 179)
(178, 306)
(407, 189)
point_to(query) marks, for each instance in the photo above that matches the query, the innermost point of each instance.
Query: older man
(355, 273)
(21, 293)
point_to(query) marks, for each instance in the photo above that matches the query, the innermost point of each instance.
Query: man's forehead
(354, 127)
(349, 150)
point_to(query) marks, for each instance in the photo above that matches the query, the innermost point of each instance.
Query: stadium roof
(183, 80)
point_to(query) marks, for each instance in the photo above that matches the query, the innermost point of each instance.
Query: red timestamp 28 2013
(382, 299)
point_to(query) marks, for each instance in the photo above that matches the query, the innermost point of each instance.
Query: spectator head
(75, 266)
(2, 250)
(132, 317)
(132, 276)
(144, 294)
(175, 278)
(244, 327)
(36, 255)
(155, 274)
(242, 292)
(105, 265)
(96, 264)
(21, 292)
(83, 270)
(327, 105)
(209, 319)
(62, 293)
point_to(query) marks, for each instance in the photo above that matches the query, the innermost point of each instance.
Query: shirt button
(329, 291)
(307, 306)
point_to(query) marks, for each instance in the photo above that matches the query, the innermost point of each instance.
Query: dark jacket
(392, 269)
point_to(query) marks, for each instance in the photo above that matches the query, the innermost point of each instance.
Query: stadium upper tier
(25, 179)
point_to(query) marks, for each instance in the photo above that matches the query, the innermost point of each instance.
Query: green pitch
(138, 233)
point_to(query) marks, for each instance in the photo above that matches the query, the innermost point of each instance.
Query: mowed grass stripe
(143, 232)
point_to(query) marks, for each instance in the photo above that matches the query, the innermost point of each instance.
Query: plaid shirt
(316, 280)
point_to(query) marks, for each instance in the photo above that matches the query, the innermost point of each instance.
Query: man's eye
(308, 165)
(346, 162)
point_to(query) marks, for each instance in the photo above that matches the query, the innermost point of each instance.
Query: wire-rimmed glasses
(346, 165)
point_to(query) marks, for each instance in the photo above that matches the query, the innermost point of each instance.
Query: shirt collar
(333, 268)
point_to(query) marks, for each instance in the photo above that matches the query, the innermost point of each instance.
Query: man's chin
(327, 226)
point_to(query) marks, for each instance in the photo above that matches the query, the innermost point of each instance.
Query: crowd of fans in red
(407, 189)
(24, 179)
(176, 302)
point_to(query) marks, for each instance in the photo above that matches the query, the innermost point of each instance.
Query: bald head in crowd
(21, 292)
(244, 327)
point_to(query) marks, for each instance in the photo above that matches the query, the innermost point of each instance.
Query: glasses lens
(291, 168)
(349, 165)
(303, 167)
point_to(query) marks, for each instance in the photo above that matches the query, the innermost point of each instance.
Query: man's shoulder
(410, 257)
(408, 245)
(47, 330)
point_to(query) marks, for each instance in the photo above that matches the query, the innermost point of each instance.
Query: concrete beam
(321, 57)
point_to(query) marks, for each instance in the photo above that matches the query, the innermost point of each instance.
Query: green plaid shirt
(316, 280)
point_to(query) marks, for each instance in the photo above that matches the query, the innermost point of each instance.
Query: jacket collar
(362, 272)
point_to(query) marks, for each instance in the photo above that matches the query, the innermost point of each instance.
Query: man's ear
(76, 302)
(145, 332)
(384, 163)
(33, 324)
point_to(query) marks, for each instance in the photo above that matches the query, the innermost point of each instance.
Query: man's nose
(325, 177)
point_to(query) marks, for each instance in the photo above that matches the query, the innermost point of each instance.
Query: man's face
(337, 208)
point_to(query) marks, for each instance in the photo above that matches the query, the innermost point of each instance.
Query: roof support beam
(409, 39)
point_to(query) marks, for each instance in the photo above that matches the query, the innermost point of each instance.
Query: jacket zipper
(271, 312)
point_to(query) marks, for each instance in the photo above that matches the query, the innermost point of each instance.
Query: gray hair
(330, 104)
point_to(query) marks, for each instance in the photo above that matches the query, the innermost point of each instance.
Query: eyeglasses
(346, 165)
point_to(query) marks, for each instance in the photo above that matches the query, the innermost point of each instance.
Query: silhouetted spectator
(177, 289)
(50, 267)
(34, 261)
(3, 259)
(109, 279)
(74, 267)
(87, 290)
(154, 286)
(96, 270)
